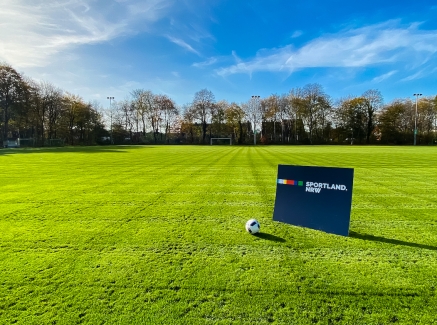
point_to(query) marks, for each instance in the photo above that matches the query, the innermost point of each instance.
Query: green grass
(155, 235)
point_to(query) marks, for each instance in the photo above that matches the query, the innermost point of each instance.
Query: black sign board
(314, 197)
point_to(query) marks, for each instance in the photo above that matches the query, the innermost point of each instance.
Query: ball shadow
(271, 237)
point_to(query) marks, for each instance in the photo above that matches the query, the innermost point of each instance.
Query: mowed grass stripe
(156, 235)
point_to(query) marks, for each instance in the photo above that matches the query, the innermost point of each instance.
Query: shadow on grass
(271, 237)
(81, 149)
(354, 234)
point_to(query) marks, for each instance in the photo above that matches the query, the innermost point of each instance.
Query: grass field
(155, 235)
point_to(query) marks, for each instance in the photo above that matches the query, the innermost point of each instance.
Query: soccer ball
(252, 226)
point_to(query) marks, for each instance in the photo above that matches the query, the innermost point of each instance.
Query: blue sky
(234, 48)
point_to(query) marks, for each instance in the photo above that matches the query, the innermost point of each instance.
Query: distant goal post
(220, 140)
(54, 142)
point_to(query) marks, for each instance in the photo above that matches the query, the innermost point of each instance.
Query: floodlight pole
(255, 99)
(415, 118)
(110, 111)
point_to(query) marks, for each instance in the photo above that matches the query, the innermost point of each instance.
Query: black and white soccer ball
(252, 226)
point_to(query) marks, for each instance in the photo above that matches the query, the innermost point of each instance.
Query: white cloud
(149, 10)
(236, 57)
(426, 71)
(35, 30)
(206, 63)
(384, 76)
(296, 34)
(417, 75)
(371, 45)
(198, 33)
(182, 44)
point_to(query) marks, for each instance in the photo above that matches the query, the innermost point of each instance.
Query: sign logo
(290, 182)
(313, 187)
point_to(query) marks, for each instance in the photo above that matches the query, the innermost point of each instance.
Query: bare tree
(283, 108)
(275, 110)
(168, 112)
(234, 115)
(127, 115)
(218, 119)
(187, 126)
(312, 105)
(294, 99)
(142, 102)
(52, 107)
(373, 103)
(254, 113)
(203, 105)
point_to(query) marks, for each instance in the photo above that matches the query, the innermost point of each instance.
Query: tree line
(42, 113)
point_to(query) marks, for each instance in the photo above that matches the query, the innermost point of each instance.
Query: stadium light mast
(415, 118)
(255, 98)
(110, 111)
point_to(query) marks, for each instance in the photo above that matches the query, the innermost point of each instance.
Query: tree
(126, 112)
(154, 115)
(234, 116)
(203, 105)
(80, 122)
(38, 108)
(426, 118)
(72, 103)
(95, 124)
(254, 113)
(271, 112)
(142, 102)
(50, 109)
(168, 112)
(373, 102)
(396, 122)
(313, 106)
(187, 125)
(12, 94)
(88, 123)
(350, 119)
(283, 108)
(25, 119)
(275, 110)
(295, 102)
(219, 126)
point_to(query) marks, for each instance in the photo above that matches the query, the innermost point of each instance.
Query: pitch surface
(155, 235)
